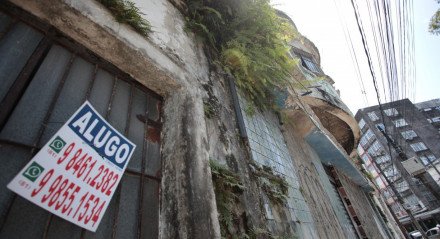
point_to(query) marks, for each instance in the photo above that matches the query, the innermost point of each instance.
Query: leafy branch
(125, 11)
(250, 40)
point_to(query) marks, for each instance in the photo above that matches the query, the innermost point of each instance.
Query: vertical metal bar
(141, 189)
(8, 28)
(237, 108)
(107, 114)
(109, 108)
(118, 192)
(18, 87)
(46, 119)
(92, 81)
(42, 128)
(46, 228)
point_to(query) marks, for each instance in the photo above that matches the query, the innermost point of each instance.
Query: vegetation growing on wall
(126, 12)
(434, 23)
(275, 187)
(227, 188)
(249, 40)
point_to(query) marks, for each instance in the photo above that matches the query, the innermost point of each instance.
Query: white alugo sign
(75, 175)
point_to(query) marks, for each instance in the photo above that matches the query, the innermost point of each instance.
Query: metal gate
(44, 78)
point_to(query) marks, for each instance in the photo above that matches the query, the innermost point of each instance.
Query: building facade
(412, 128)
(292, 170)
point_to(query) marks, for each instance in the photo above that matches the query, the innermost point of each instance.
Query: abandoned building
(208, 163)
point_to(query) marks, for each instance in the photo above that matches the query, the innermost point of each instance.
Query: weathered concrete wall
(371, 223)
(391, 223)
(171, 63)
(228, 148)
(305, 158)
(199, 122)
(188, 207)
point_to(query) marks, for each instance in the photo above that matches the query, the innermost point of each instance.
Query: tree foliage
(250, 41)
(434, 24)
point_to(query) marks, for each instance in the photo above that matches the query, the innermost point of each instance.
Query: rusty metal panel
(71, 96)
(23, 213)
(61, 82)
(127, 222)
(101, 91)
(27, 118)
(5, 24)
(12, 159)
(153, 164)
(58, 226)
(119, 106)
(150, 211)
(15, 48)
(136, 128)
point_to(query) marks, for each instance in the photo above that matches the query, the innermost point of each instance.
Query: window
(418, 146)
(425, 159)
(380, 126)
(411, 200)
(436, 119)
(365, 158)
(375, 149)
(371, 169)
(391, 172)
(391, 112)
(409, 134)
(66, 76)
(361, 123)
(383, 159)
(373, 116)
(401, 186)
(310, 65)
(379, 182)
(360, 149)
(366, 137)
(400, 122)
(432, 232)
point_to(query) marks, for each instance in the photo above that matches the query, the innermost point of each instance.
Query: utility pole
(403, 156)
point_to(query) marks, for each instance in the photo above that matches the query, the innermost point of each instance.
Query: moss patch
(274, 186)
(228, 188)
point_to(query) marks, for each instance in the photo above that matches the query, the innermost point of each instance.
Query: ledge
(330, 154)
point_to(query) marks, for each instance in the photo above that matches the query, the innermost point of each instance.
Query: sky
(323, 22)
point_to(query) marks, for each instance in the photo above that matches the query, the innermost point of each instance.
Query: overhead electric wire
(396, 71)
(353, 56)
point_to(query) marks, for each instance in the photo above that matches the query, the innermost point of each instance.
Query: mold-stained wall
(199, 124)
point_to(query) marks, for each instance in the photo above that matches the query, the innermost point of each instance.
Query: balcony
(325, 121)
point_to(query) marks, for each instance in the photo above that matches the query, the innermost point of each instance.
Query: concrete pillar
(188, 208)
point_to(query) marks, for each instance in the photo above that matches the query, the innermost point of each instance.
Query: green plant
(274, 186)
(126, 12)
(369, 176)
(228, 188)
(208, 109)
(249, 110)
(434, 23)
(249, 39)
